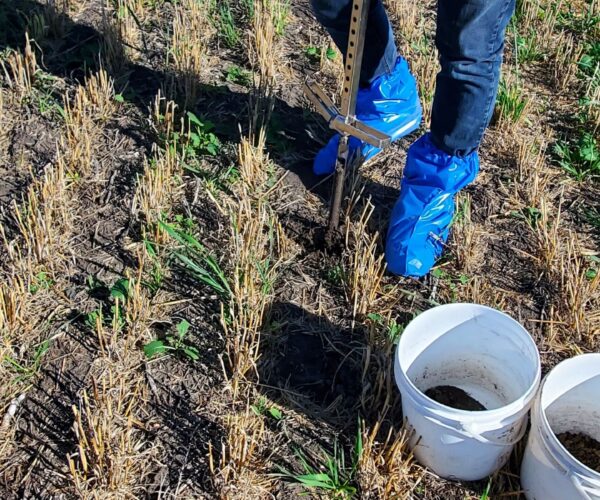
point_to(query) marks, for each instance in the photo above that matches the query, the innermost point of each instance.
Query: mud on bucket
(475, 358)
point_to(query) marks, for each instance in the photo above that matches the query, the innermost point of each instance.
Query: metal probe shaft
(352, 67)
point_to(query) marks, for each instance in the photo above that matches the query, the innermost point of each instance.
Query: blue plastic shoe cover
(390, 104)
(422, 215)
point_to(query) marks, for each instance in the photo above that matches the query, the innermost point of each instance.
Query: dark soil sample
(583, 447)
(454, 397)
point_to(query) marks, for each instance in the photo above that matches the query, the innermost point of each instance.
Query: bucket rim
(555, 444)
(515, 407)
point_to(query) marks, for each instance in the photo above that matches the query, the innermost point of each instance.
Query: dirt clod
(583, 447)
(454, 397)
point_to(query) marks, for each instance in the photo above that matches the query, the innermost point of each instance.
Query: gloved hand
(390, 105)
(421, 218)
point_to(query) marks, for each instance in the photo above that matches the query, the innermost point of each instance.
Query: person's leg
(470, 39)
(380, 52)
(388, 99)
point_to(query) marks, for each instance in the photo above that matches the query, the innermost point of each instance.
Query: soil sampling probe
(344, 121)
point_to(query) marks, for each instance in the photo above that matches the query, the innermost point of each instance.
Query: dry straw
(112, 457)
(366, 265)
(386, 469)
(20, 70)
(191, 32)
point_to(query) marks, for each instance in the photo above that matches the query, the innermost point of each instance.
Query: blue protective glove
(421, 218)
(390, 104)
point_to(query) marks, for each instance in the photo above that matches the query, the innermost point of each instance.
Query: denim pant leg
(470, 40)
(380, 48)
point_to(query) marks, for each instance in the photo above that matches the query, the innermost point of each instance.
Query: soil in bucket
(454, 397)
(583, 447)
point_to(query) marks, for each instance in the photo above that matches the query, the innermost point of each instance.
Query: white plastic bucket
(488, 355)
(569, 401)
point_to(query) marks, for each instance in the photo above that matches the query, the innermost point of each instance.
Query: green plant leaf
(438, 273)
(182, 328)
(200, 272)
(16, 365)
(214, 275)
(194, 119)
(486, 494)
(150, 248)
(192, 353)
(41, 351)
(120, 289)
(154, 347)
(358, 445)
(316, 481)
(375, 317)
(260, 406)
(275, 413)
(312, 51)
(395, 330)
(92, 317)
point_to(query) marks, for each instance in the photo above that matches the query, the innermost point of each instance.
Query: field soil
(454, 397)
(583, 447)
(173, 323)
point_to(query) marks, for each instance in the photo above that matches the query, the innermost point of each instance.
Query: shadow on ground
(313, 364)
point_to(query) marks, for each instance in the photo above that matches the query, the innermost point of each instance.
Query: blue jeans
(470, 42)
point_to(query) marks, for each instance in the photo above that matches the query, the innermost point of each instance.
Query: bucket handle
(469, 432)
(581, 489)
